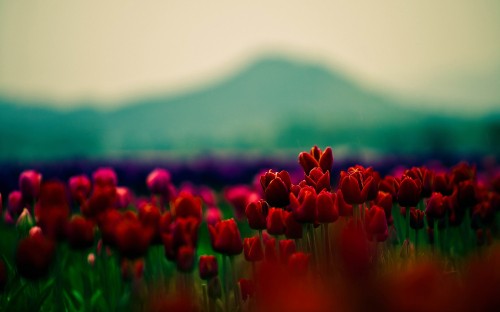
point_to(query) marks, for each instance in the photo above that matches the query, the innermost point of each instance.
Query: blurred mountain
(273, 104)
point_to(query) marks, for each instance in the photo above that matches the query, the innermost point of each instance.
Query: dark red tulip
(443, 183)
(247, 288)
(304, 206)
(435, 208)
(132, 238)
(239, 196)
(29, 184)
(256, 213)
(104, 177)
(463, 172)
(52, 210)
(107, 222)
(293, 229)
(185, 231)
(225, 237)
(185, 259)
(318, 179)
(427, 182)
(207, 266)
(276, 187)
(384, 200)
(287, 248)
(351, 190)
(187, 205)
(34, 256)
(325, 205)
(389, 185)
(15, 203)
(276, 221)
(416, 219)
(80, 233)
(376, 224)
(409, 192)
(316, 158)
(79, 187)
(298, 263)
(253, 249)
(102, 199)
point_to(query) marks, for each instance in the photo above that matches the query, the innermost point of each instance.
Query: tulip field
(420, 238)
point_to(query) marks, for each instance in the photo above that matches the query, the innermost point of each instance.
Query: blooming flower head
(225, 237)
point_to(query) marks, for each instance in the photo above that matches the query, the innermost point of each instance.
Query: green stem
(236, 289)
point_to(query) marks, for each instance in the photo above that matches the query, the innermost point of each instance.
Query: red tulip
(443, 184)
(185, 232)
(159, 181)
(104, 177)
(316, 158)
(34, 256)
(276, 188)
(79, 187)
(304, 205)
(102, 199)
(376, 224)
(270, 252)
(325, 205)
(389, 185)
(384, 200)
(150, 217)
(463, 172)
(409, 192)
(351, 189)
(225, 237)
(213, 215)
(435, 208)
(416, 219)
(123, 197)
(52, 210)
(15, 203)
(80, 233)
(132, 238)
(207, 267)
(187, 205)
(29, 184)
(253, 249)
(256, 213)
(247, 288)
(185, 259)
(275, 221)
(318, 179)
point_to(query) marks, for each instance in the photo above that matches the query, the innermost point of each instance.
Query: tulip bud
(253, 249)
(256, 213)
(104, 177)
(275, 221)
(35, 231)
(416, 219)
(29, 184)
(239, 196)
(15, 203)
(318, 180)
(435, 208)
(316, 158)
(185, 258)
(213, 215)
(304, 205)
(91, 259)
(187, 205)
(158, 181)
(409, 192)
(124, 197)
(247, 288)
(79, 187)
(207, 267)
(325, 205)
(351, 190)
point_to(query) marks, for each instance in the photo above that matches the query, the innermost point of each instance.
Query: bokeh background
(177, 80)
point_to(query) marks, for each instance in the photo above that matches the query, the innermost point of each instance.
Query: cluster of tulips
(425, 234)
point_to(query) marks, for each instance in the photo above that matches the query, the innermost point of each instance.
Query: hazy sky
(108, 50)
